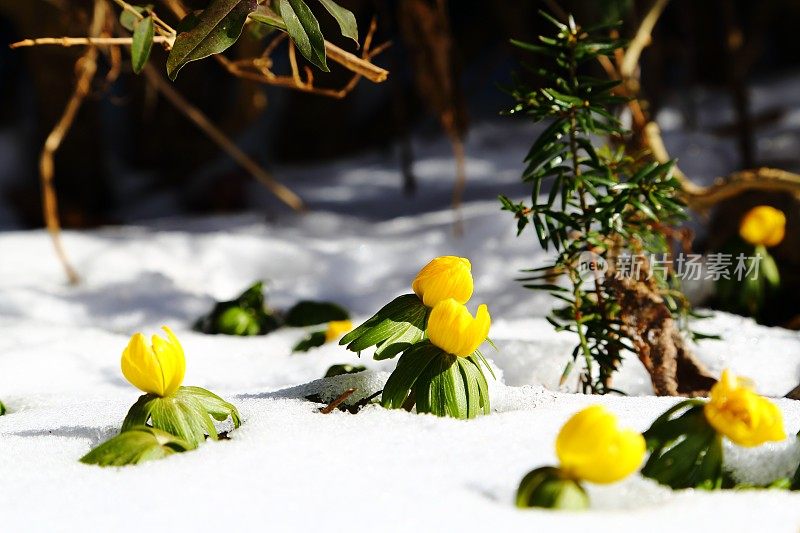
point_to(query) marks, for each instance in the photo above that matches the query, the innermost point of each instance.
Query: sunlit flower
(736, 411)
(156, 368)
(591, 446)
(763, 225)
(453, 329)
(336, 329)
(444, 277)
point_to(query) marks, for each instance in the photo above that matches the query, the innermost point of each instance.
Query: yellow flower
(336, 329)
(454, 330)
(590, 446)
(156, 369)
(763, 225)
(736, 411)
(444, 277)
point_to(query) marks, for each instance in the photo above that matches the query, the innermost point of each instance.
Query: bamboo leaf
(212, 32)
(142, 45)
(345, 18)
(303, 28)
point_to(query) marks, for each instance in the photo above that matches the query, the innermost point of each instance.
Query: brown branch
(642, 39)
(356, 64)
(82, 41)
(86, 68)
(259, 69)
(337, 402)
(762, 179)
(191, 112)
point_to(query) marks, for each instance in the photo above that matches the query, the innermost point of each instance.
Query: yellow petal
(590, 446)
(336, 329)
(140, 366)
(763, 225)
(453, 329)
(442, 278)
(736, 411)
(158, 369)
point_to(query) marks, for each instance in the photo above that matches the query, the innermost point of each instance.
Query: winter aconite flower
(453, 329)
(763, 225)
(590, 446)
(336, 329)
(442, 278)
(736, 411)
(157, 368)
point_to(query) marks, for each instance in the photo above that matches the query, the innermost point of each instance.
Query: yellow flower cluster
(763, 226)
(738, 412)
(445, 284)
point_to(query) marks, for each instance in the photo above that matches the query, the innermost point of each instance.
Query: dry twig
(337, 402)
(191, 112)
(86, 68)
(83, 41)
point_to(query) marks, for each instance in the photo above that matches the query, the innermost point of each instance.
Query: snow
(290, 467)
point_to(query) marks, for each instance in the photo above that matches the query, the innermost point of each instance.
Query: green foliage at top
(217, 27)
(602, 203)
(208, 32)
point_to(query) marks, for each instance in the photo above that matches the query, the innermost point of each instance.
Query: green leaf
(244, 316)
(304, 30)
(135, 446)
(409, 368)
(143, 33)
(213, 31)
(309, 313)
(477, 388)
(345, 18)
(397, 326)
(267, 16)
(2, 409)
(312, 340)
(187, 414)
(343, 369)
(213, 404)
(446, 393)
(128, 20)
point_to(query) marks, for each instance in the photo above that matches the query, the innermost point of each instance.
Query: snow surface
(290, 468)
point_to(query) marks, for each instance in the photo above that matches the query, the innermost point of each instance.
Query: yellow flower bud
(156, 369)
(736, 411)
(336, 329)
(453, 329)
(444, 277)
(590, 446)
(763, 225)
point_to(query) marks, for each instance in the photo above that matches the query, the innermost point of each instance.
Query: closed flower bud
(763, 225)
(453, 329)
(336, 329)
(590, 446)
(736, 411)
(549, 488)
(444, 277)
(237, 321)
(157, 368)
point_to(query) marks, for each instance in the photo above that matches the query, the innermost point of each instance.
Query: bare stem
(191, 112)
(84, 41)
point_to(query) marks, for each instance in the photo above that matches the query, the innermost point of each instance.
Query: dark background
(124, 132)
